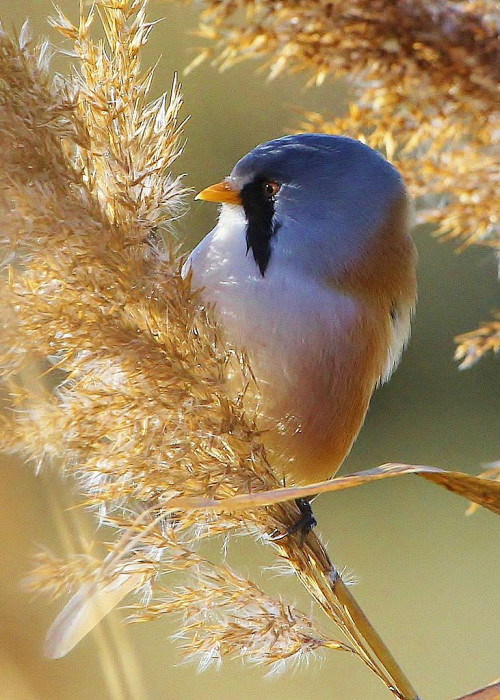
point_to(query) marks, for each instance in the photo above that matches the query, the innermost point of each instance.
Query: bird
(311, 271)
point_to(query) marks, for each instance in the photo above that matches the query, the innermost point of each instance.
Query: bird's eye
(270, 188)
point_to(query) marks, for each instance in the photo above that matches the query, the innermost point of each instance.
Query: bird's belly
(315, 376)
(316, 354)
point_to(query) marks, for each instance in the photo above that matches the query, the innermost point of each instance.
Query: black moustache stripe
(259, 212)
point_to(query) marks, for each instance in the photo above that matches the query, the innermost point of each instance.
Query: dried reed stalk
(490, 692)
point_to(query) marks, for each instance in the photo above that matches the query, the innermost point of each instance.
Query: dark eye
(270, 188)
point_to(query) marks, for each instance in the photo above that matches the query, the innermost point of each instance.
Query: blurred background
(428, 576)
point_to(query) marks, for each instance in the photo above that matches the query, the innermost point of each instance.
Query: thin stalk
(320, 577)
(370, 634)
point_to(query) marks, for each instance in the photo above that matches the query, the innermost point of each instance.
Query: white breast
(274, 317)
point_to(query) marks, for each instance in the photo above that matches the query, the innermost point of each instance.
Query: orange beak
(221, 192)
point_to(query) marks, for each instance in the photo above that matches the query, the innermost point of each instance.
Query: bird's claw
(303, 525)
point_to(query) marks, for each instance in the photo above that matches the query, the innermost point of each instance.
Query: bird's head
(315, 202)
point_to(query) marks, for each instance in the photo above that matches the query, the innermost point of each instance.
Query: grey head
(315, 200)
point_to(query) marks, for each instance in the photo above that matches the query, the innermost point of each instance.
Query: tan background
(428, 576)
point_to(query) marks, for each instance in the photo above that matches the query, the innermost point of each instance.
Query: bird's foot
(303, 525)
